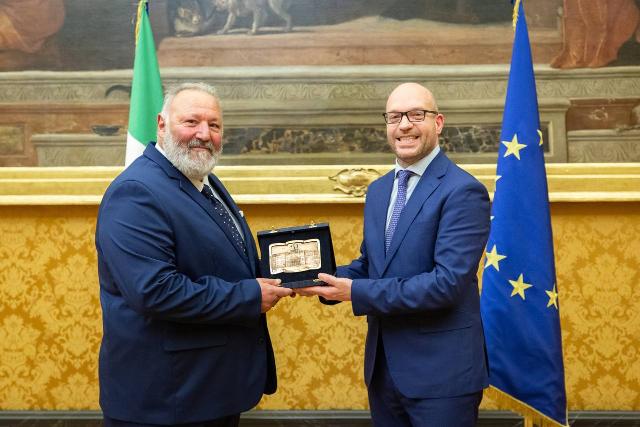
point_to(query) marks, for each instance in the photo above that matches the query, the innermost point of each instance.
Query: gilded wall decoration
(50, 322)
(597, 262)
(319, 349)
(354, 181)
(49, 309)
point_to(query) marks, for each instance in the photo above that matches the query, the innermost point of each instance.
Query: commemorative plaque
(296, 255)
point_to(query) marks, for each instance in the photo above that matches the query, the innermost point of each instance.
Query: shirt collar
(421, 165)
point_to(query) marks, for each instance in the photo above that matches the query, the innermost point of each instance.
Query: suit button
(260, 340)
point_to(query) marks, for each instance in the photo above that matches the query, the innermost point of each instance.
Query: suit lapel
(429, 181)
(244, 228)
(379, 196)
(185, 185)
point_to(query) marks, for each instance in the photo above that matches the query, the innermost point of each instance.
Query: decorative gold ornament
(354, 181)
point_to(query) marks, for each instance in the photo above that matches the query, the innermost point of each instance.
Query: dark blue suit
(184, 339)
(421, 297)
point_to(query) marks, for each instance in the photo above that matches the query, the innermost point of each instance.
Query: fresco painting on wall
(80, 35)
(34, 34)
(595, 31)
(26, 30)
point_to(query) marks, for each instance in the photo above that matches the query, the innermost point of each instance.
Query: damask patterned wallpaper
(50, 314)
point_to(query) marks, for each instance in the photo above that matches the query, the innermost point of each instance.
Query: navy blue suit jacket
(183, 336)
(421, 297)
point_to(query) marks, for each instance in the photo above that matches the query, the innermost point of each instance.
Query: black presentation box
(296, 255)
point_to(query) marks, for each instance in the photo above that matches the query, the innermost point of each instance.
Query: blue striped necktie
(401, 199)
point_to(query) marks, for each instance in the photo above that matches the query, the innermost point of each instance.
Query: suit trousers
(390, 408)
(230, 421)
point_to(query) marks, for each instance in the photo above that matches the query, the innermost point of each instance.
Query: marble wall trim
(604, 145)
(313, 418)
(323, 82)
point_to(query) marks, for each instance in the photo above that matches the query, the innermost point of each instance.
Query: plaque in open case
(297, 254)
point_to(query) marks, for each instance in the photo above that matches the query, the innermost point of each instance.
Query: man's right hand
(271, 293)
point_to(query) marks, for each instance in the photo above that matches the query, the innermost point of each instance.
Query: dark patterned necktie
(226, 218)
(401, 198)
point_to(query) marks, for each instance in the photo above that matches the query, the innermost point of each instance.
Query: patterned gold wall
(50, 315)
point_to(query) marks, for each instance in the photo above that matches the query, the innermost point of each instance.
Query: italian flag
(146, 88)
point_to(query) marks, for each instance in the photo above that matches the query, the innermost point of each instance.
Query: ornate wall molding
(604, 145)
(79, 149)
(354, 182)
(304, 98)
(579, 182)
(324, 83)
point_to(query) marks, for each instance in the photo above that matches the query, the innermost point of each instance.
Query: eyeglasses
(395, 117)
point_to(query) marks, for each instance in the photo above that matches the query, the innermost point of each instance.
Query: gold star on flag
(497, 178)
(553, 297)
(540, 136)
(519, 286)
(493, 258)
(513, 147)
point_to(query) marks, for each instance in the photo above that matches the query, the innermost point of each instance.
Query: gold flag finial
(141, 8)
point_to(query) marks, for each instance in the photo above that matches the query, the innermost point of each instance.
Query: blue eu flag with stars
(520, 304)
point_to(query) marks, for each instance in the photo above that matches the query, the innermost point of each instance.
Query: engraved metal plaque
(297, 254)
(294, 256)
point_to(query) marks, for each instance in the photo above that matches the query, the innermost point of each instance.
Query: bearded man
(185, 339)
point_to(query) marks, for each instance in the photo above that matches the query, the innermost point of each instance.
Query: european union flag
(519, 300)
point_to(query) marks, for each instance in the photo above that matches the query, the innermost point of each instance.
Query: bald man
(426, 224)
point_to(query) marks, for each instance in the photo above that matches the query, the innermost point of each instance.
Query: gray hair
(175, 89)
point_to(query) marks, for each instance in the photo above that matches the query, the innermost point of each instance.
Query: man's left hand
(337, 289)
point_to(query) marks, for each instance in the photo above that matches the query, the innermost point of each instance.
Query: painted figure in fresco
(187, 17)
(195, 17)
(594, 31)
(426, 224)
(27, 28)
(25, 25)
(191, 17)
(185, 336)
(258, 9)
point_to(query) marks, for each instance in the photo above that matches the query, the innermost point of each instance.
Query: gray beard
(193, 168)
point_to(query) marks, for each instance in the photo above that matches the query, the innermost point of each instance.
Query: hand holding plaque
(297, 254)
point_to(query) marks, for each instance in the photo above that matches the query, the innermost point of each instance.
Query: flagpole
(146, 88)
